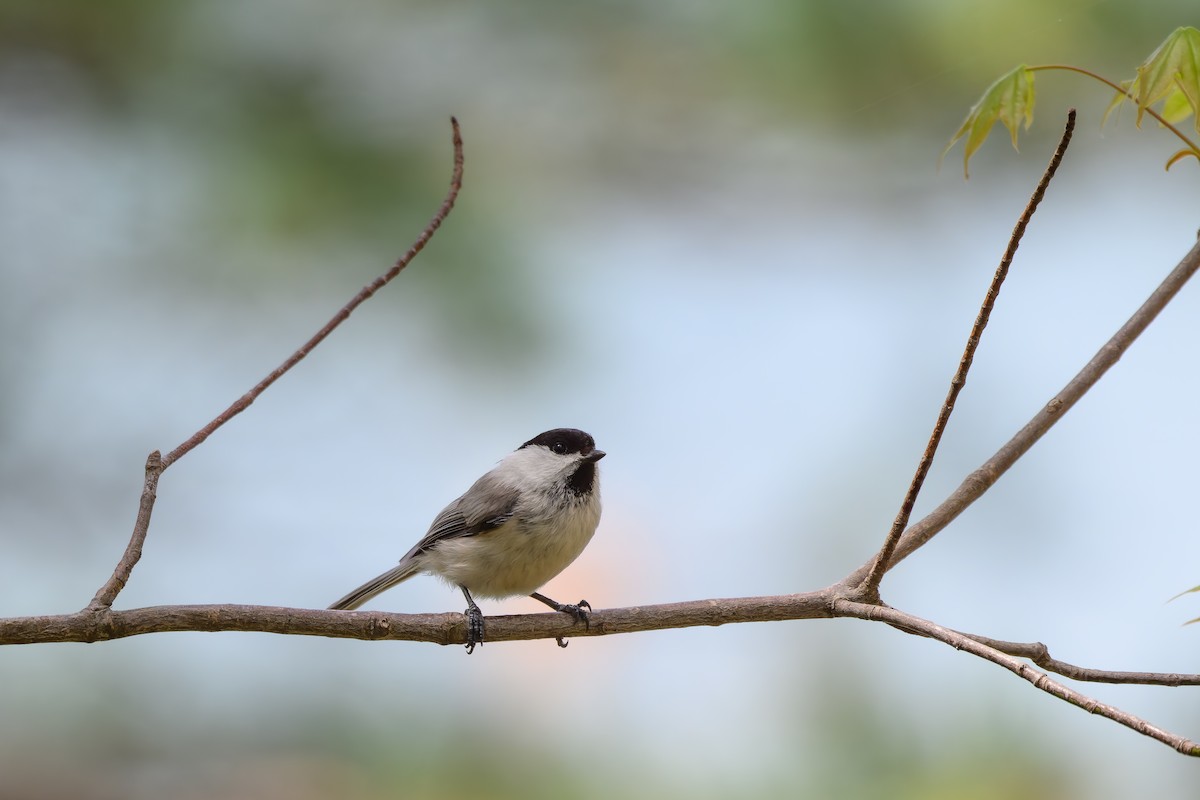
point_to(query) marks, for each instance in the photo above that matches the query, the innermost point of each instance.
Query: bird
(522, 523)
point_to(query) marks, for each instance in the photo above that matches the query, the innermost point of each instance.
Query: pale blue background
(729, 258)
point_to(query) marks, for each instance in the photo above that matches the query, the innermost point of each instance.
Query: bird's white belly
(516, 559)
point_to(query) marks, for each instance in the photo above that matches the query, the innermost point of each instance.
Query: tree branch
(243, 402)
(156, 463)
(1039, 654)
(1040, 680)
(450, 629)
(883, 560)
(133, 551)
(982, 479)
(445, 629)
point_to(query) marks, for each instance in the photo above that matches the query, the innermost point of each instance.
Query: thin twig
(1039, 654)
(982, 479)
(133, 551)
(156, 463)
(1040, 680)
(870, 587)
(249, 397)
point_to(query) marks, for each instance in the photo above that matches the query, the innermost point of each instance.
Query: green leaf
(1194, 588)
(1118, 98)
(1172, 72)
(1009, 100)
(1177, 107)
(1180, 155)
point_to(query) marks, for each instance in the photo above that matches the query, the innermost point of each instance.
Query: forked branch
(450, 629)
(1040, 680)
(883, 560)
(1039, 654)
(982, 479)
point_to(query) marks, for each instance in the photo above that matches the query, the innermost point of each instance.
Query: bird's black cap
(564, 441)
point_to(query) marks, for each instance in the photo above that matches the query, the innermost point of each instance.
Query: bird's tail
(398, 574)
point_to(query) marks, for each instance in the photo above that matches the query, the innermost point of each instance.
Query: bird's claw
(474, 628)
(576, 610)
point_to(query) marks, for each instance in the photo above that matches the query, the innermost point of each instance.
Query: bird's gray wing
(486, 506)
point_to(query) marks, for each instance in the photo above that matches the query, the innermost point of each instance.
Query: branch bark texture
(446, 629)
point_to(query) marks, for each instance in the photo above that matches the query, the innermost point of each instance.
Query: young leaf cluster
(1169, 77)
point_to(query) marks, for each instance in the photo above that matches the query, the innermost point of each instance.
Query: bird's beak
(594, 456)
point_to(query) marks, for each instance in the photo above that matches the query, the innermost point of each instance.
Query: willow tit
(517, 527)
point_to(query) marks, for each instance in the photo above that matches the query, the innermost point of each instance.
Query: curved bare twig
(156, 463)
(243, 402)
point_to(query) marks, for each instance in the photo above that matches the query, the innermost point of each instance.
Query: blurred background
(713, 235)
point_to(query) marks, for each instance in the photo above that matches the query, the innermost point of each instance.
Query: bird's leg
(576, 610)
(474, 622)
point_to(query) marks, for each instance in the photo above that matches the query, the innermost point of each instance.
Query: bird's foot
(576, 610)
(474, 627)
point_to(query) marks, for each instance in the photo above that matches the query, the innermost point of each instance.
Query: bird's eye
(560, 447)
